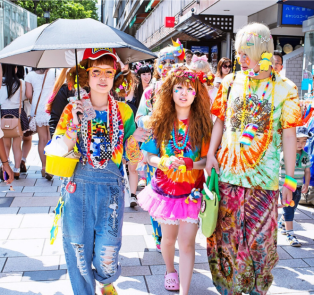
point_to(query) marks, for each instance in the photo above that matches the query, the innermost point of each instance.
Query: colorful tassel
(248, 134)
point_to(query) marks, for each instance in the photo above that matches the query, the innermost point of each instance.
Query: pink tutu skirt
(160, 206)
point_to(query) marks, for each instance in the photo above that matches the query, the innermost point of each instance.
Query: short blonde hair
(261, 45)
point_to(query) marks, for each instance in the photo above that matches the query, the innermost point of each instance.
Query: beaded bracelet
(133, 151)
(290, 183)
(163, 165)
(69, 137)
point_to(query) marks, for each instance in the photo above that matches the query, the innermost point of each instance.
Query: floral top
(99, 144)
(172, 182)
(287, 114)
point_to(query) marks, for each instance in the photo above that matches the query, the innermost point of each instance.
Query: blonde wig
(253, 40)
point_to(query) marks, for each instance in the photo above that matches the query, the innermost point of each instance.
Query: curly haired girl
(181, 127)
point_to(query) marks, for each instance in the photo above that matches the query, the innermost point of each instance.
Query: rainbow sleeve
(290, 183)
(64, 120)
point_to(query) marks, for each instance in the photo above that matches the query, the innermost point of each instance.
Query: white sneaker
(133, 202)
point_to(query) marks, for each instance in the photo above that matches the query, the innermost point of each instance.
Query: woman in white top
(10, 103)
(34, 86)
(223, 69)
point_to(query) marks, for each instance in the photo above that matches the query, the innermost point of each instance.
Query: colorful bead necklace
(116, 133)
(270, 123)
(251, 104)
(175, 140)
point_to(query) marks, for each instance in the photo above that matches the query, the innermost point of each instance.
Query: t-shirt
(1, 133)
(125, 114)
(14, 101)
(287, 114)
(173, 182)
(302, 162)
(37, 81)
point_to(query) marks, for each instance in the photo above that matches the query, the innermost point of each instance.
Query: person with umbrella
(94, 196)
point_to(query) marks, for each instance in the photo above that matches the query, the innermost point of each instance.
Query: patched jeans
(92, 227)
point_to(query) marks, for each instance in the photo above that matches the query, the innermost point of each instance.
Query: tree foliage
(74, 9)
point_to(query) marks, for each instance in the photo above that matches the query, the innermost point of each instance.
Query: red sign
(169, 21)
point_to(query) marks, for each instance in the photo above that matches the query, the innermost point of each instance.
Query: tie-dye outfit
(242, 250)
(164, 198)
(92, 215)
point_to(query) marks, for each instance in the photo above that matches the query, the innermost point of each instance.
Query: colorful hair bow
(195, 58)
(265, 62)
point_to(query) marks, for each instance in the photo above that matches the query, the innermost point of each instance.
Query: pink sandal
(172, 281)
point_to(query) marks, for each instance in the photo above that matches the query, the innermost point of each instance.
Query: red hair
(164, 115)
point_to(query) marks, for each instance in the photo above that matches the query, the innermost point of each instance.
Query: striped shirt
(302, 162)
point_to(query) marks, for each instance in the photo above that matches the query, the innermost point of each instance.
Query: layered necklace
(102, 141)
(177, 146)
(250, 129)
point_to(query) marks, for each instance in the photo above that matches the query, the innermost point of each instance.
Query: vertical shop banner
(214, 57)
(295, 15)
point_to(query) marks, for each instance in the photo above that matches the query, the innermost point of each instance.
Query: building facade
(14, 22)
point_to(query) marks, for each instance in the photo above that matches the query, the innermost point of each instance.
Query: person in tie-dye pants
(257, 111)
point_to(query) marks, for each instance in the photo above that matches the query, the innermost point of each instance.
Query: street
(30, 265)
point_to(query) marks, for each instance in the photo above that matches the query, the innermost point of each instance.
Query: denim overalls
(92, 226)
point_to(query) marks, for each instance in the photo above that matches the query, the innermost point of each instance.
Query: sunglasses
(227, 67)
(95, 72)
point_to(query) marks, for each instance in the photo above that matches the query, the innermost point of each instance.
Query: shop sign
(169, 21)
(295, 15)
(202, 49)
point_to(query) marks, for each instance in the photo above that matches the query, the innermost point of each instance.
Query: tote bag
(210, 205)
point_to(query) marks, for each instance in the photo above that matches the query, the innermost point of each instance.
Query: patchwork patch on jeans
(113, 217)
(108, 264)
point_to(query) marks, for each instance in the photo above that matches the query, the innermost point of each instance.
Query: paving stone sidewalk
(29, 265)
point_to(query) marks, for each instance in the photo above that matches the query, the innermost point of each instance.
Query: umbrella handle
(78, 85)
(77, 75)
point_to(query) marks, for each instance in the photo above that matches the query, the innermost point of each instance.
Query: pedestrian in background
(11, 99)
(188, 57)
(278, 61)
(26, 140)
(144, 74)
(301, 170)
(5, 166)
(39, 88)
(223, 69)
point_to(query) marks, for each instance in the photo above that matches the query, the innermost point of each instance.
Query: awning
(206, 26)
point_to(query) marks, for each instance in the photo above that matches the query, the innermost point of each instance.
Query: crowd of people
(168, 120)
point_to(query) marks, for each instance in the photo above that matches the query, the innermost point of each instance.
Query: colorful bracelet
(163, 163)
(133, 151)
(290, 183)
(188, 163)
(69, 137)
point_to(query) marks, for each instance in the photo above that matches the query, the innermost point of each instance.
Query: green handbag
(210, 205)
